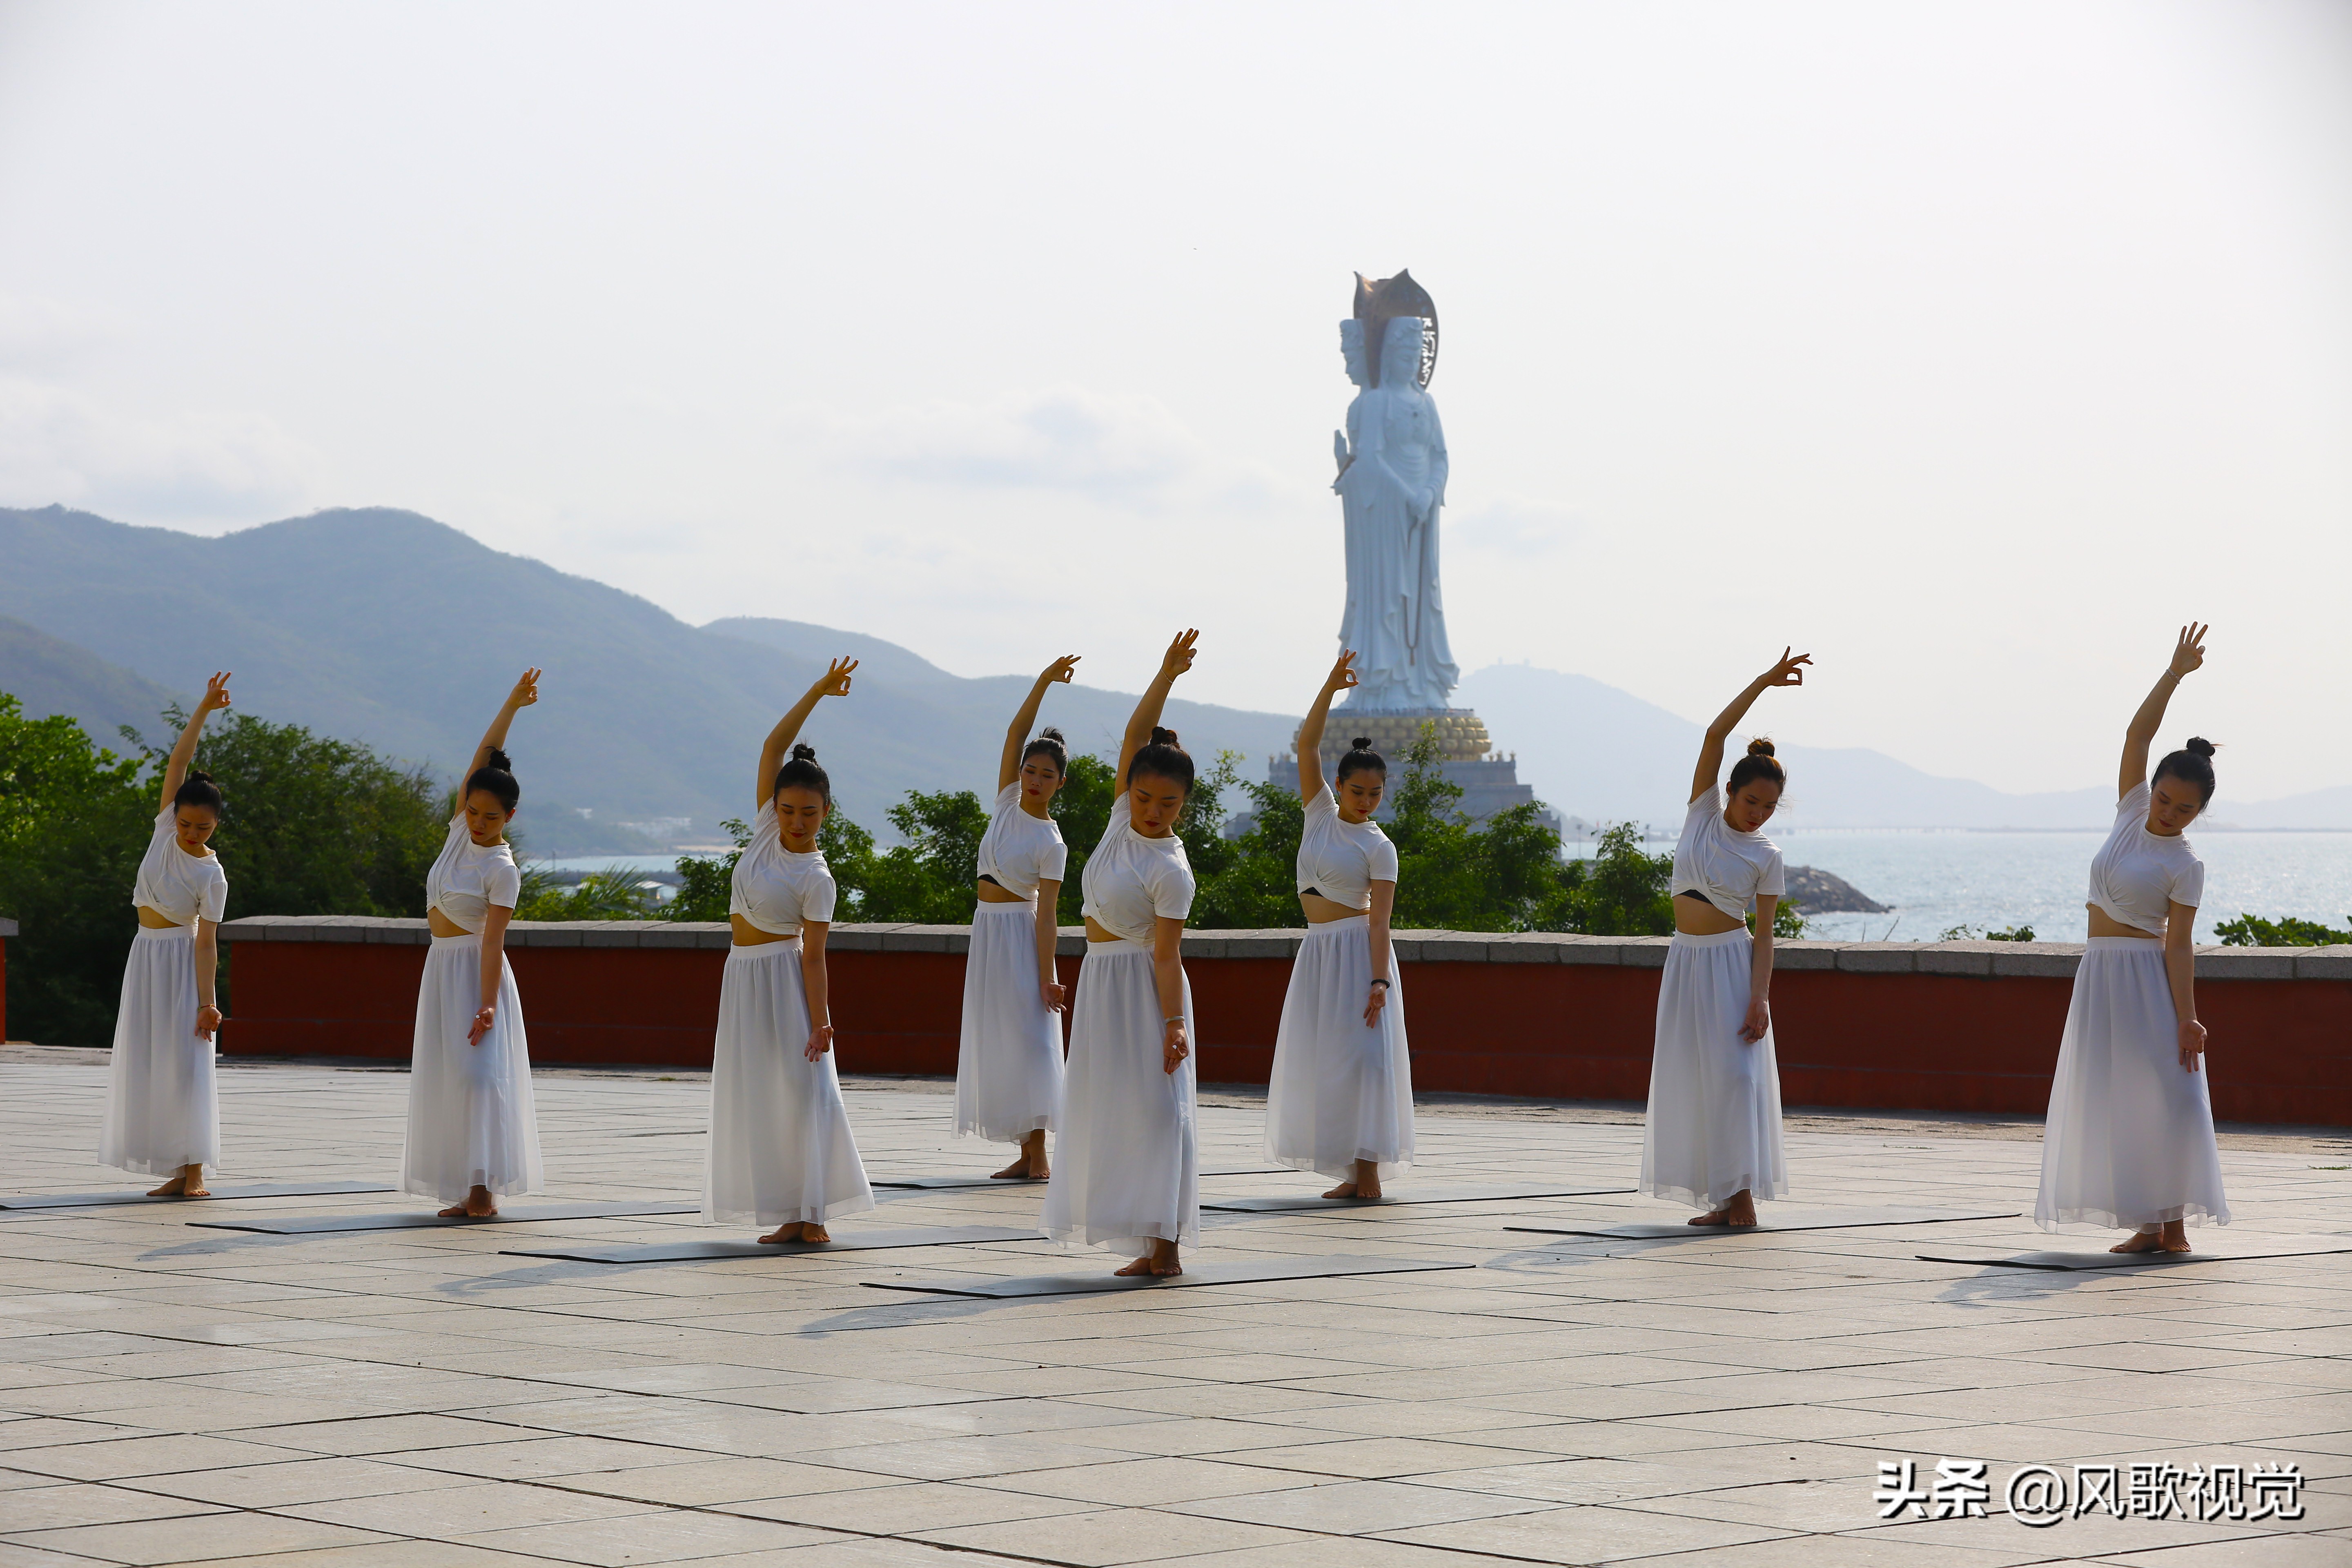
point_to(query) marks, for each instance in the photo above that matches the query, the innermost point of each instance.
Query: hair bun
(1760, 747)
(1051, 733)
(1162, 736)
(499, 760)
(802, 751)
(2200, 745)
(1361, 743)
(198, 775)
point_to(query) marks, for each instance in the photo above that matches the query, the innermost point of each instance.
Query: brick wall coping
(7, 928)
(1988, 959)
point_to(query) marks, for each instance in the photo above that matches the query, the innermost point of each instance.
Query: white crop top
(1725, 867)
(180, 887)
(1019, 851)
(1131, 880)
(2136, 875)
(1342, 860)
(467, 879)
(777, 888)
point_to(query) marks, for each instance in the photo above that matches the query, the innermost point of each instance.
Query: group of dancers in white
(2128, 1142)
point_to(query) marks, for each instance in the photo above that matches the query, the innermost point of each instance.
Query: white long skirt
(1714, 1123)
(2129, 1138)
(780, 1149)
(1127, 1162)
(162, 1112)
(471, 1120)
(1341, 1090)
(1009, 1061)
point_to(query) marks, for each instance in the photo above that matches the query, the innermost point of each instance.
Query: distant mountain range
(388, 627)
(391, 628)
(1602, 755)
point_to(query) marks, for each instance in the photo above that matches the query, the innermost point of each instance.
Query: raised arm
(525, 693)
(2188, 655)
(184, 751)
(1789, 672)
(1146, 717)
(833, 682)
(1016, 734)
(1310, 731)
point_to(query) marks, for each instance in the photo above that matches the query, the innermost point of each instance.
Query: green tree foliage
(615, 893)
(708, 885)
(314, 826)
(927, 879)
(1965, 932)
(2288, 930)
(74, 823)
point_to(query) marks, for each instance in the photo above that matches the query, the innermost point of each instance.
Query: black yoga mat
(1431, 1195)
(2228, 1249)
(107, 1200)
(1814, 1219)
(950, 1183)
(1247, 1272)
(700, 1251)
(425, 1219)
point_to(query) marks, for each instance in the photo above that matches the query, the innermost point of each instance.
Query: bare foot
(1141, 1266)
(814, 1234)
(2176, 1237)
(782, 1233)
(198, 1190)
(2138, 1241)
(1164, 1264)
(478, 1205)
(1738, 1213)
(454, 1211)
(1344, 1190)
(174, 1188)
(1016, 1172)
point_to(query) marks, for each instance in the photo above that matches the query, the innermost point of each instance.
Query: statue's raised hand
(1179, 657)
(2188, 653)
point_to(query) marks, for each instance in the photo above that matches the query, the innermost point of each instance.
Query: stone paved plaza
(416, 1397)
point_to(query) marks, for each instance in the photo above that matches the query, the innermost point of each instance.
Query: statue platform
(1488, 779)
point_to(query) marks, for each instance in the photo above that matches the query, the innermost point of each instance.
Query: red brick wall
(1575, 1031)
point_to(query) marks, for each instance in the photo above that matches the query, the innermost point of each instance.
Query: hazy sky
(1972, 347)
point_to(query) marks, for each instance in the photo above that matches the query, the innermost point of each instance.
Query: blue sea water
(1935, 880)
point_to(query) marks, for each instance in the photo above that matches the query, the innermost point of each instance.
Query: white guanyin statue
(1392, 482)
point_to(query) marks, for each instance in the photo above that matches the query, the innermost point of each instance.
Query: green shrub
(2288, 930)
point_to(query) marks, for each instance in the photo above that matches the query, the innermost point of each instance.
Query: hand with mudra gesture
(1343, 675)
(1789, 671)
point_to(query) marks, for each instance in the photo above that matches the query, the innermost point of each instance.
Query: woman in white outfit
(781, 1151)
(473, 1130)
(1127, 1170)
(1009, 1061)
(161, 1113)
(1341, 1097)
(1712, 1133)
(2129, 1138)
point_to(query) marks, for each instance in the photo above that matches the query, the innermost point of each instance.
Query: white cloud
(1519, 529)
(217, 466)
(1125, 450)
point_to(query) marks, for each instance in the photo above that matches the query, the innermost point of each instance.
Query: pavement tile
(193, 1538)
(669, 1536)
(417, 1400)
(1107, 1537)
